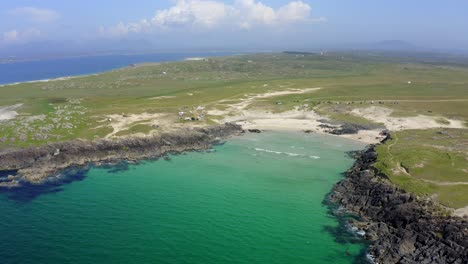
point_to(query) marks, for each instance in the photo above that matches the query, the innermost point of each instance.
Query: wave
(286, 153)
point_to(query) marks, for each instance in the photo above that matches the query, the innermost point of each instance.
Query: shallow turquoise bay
(256, 199)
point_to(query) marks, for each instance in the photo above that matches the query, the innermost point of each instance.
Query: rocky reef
(401, 227)
(44, 164)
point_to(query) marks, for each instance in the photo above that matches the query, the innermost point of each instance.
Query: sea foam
(286, 153)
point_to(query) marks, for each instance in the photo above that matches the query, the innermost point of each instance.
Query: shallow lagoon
(256, 199)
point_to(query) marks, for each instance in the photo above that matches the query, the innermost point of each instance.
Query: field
(430, 162)
(397, 92)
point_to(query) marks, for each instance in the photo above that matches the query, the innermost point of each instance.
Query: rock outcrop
(37, 165)
(402, 228)
(254, 130)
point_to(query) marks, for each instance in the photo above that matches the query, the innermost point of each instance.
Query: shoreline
(397, 225)
(366, 136)
(363, 136)
(400, 227)
(44, 164)
(72, 76)
(39, 165)
(64, 78)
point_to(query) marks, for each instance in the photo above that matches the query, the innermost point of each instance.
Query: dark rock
(38, 165)
(402, 228)
(349, 128)
(254, 130)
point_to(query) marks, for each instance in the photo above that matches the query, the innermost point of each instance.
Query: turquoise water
(256, 199)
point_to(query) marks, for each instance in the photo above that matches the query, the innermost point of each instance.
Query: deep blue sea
(55, 68)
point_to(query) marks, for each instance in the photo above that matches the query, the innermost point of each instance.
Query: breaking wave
(286, 153)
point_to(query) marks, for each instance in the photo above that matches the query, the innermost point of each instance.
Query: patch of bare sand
(123, 122)
(461, 212)
(383, 115)
(293, 120)
(9, 112)
(162, 97)
(249, 99)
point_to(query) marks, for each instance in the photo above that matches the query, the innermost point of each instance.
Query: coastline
(43, 164)
(64, 78)
(39, 165)
(363, 136)
(401, 227)
(165, 57)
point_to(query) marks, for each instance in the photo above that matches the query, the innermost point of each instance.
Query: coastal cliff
(38, 165)
(402, 228)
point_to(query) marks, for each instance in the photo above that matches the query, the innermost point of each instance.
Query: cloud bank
(16, 36)
(210, 14)
(29, 22)
(37, 15)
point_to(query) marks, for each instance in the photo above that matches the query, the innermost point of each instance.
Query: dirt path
(245, 102)
(124, 122)
(443, 183)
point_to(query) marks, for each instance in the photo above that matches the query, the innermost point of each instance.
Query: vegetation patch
(429, 163)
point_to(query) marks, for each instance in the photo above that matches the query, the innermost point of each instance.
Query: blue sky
(235, 23)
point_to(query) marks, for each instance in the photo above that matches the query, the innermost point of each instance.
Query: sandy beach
(303, 119)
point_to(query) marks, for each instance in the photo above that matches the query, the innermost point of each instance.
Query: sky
(230, 24)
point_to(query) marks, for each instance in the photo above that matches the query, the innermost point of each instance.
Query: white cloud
(11, 36)
(15, 36)
(192, 12)
(37, 15)
(255, 13)
(294, 12)
(209, 14)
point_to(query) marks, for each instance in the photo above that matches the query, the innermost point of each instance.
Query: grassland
(429, 163)
(423, 161)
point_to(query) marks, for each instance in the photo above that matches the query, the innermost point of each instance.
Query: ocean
(64, 67)
(256, 199)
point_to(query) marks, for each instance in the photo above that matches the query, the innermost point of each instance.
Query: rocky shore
(38, 165)
(401, 227)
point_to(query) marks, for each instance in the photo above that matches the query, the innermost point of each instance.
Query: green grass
(139, 128)
(428, 162)
(342, 77)
(439, 88)
(341, 113)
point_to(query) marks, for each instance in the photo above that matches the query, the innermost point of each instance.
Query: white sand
(383, 115)
(194, 59)
(249, 99)
(124, 122)
(461, 212)
(293, 120)
(162, 97)
(8, 112)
